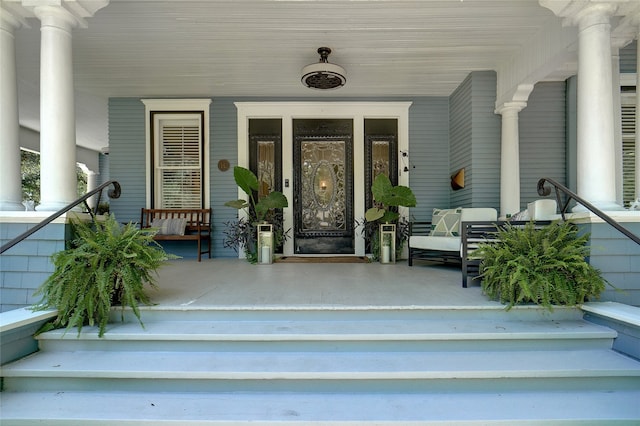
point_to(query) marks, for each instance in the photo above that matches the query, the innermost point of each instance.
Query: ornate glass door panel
(265, 162)
(380, 158)
(324, 194)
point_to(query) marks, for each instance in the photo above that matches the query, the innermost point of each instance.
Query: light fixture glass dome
(322, 75)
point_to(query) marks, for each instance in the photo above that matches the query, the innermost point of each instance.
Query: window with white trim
(177, 166)
(178, 160)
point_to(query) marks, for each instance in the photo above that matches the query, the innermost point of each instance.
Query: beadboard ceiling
(146, 48)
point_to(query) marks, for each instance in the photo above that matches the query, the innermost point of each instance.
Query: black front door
(323, 186)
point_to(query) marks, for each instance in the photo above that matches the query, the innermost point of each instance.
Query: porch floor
(237, 284)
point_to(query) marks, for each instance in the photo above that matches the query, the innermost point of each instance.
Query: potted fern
(106, 264)
(267, 209)
(544, 266)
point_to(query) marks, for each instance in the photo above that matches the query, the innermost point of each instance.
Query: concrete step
(335, 335)
(341, 365)
(310, 371)
(62, 408)
(491, 311)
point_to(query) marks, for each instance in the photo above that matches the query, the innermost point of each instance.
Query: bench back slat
(197, 219)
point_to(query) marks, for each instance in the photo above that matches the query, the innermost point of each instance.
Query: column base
(605, 206)
(54, 206)
(11, 206)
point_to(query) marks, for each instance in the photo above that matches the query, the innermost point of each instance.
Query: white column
(617, 122)
(510, 158)
(596, 162)
(10, 177)
(58, 185)
(596, 143)
(92, 183)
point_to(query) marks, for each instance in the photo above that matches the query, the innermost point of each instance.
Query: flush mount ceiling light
(323, 75)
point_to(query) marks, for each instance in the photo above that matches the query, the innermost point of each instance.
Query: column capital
(510, 107)
(586, 12)
(70, 12)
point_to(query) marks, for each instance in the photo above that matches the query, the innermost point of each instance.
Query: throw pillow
(177, 226)
(161, 225)
(174, 226)
(445, 222)
(520, 216)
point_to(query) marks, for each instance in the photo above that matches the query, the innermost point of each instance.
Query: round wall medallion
(223, 165)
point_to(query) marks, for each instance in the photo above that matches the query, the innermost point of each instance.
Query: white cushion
(544, 209)
(474, 214)
(435, 243)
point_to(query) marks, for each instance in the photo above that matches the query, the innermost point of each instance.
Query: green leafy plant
(386, 199)
(256, 207)
(106, 264)
(242, 232)
(541, 265)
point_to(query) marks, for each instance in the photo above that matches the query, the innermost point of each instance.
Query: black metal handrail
(544, 191)
(113, 193)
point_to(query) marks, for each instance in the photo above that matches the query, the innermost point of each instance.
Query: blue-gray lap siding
(24, 267)
(445, 134)
(475, 141)
(618, 258)
(542, 139)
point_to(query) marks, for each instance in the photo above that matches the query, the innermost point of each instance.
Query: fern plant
(107, 264)
(545, 266)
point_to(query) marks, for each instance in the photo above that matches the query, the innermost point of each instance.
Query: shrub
(545, 266)
(107, 264)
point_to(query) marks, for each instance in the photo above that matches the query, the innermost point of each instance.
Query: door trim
(356, 111)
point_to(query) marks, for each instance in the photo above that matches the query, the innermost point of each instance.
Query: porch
(234, 283)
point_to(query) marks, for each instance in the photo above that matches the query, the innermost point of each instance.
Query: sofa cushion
(445, 222)
(476, 214)
(543, 209)
(435, 243)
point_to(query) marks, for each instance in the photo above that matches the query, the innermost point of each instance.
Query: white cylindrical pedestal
(266, 254)
(386, 254)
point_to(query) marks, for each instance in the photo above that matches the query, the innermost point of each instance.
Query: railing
(113, 193)
(559, 188)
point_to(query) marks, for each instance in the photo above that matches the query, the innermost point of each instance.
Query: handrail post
(545, 191)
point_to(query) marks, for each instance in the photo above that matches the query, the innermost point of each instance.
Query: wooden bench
(180, 225)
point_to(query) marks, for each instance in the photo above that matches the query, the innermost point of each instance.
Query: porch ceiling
(258, 47)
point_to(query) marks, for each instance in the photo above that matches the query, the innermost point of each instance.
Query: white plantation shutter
(628, 153)
(178, 160)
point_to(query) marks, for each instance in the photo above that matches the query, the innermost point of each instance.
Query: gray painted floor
(236, 283)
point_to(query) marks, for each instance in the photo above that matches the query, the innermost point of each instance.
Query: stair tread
(79, 408)
(339, 330)
(323, 365)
